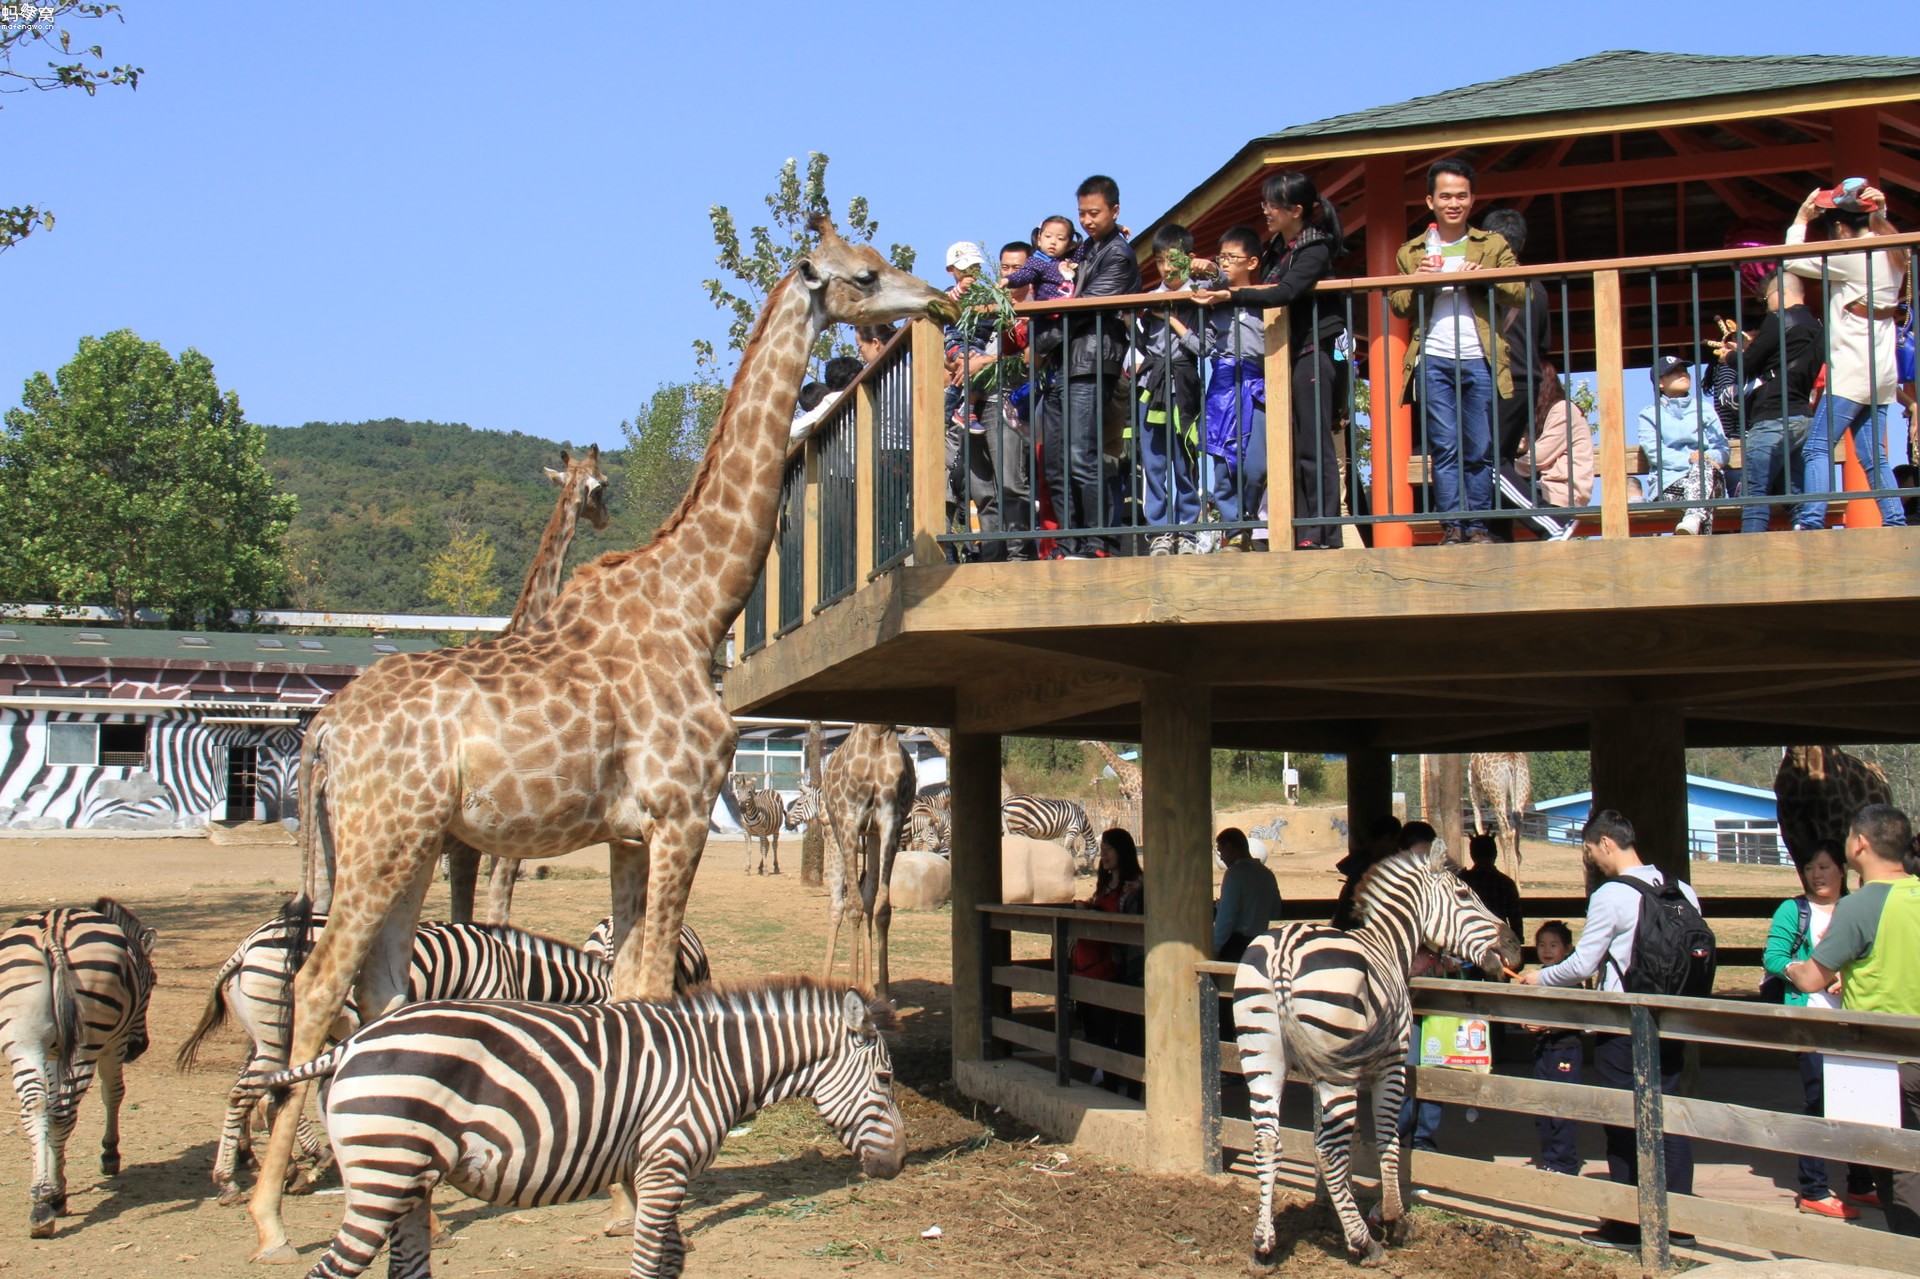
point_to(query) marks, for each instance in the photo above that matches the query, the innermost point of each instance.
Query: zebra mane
(1391, 866)
(125, 920)
(797, 993)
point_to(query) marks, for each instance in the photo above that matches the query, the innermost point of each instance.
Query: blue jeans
(1868, 424)
(1419, 1120)
(1070, 426)
(1768, 466)
(1458, 395)
(1171, 493)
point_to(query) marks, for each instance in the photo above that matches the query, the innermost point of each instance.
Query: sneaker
(1566, 532)
(1691, 523)
(1186, 544)
(1613, 1235)
(1831, 1205)
(1161, 544)
(1865, 1198)
(1480, 537)
(1453, 536)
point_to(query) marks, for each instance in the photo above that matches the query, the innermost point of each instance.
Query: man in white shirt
(1606, 948)
(1249, 897)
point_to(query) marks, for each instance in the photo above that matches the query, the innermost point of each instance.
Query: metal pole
(1062, 1008)
(1649, 1141)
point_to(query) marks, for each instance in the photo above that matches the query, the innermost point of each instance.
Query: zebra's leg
(410, 1249)
(62, 1112)
(1333, 1149)
(776, 848)
(501, 877)
(463, 871)
(370, 1218)
(113, 1090)
(1263, 1057)
(236, 1137)
(30, 1084)
(1389, 1091)
(659, 1249)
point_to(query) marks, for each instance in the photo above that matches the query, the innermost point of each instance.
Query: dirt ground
(784, 1198)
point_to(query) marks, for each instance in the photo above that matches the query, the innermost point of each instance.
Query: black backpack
(1673, 949)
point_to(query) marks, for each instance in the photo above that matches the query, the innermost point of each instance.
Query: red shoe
(1866, 1198)
(1831, 1206)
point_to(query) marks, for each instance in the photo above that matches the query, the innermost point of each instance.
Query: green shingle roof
(1619, 78)
(21, 640)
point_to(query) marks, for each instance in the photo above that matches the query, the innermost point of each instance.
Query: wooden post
(1445, 783)
(1369, 790)
(1640, 769)
(1649, 1142)
(975, 781)
(1610, 387)
(813, 845)
(929, 442)
(772, 575)
(814, 476)
(1209, 996)
(1177, 817)
(1391, 417)
(1856, 154)
(865, 414)
(1280, 470)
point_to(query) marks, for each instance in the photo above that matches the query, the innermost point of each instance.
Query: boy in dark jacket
(1556, 1057)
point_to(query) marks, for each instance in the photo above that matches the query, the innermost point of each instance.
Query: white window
(77, 744)
(782, 764)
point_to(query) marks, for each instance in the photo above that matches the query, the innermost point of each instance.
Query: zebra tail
(298, 916)
(320, 1067)
(66, 1012)
(213, 1018)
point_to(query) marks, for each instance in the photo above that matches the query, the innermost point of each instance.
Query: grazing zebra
(690, 966)
(448, 961)
(930, 824)
(1335, 1007)
(529, 1104)
(762, 814)
(74, 985)
(1060, 819)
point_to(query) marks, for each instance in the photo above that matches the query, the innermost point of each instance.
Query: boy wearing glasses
(1236, 411)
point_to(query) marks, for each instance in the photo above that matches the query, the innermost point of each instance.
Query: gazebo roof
(1603, 81)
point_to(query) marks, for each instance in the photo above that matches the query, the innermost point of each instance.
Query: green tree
(665, 442)
(460, 578)
(133, 480)
(87, 72)
(770, 252)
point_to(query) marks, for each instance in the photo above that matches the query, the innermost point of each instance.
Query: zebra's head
(1448, 917)
(804, 808)
(741, 784)
(854, 1088)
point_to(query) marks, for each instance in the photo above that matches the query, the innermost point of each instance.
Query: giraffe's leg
(1389, 1091)
(891, 819)
(1256, 1019)
(463, 871)
(620, 1219)
(364, 912)
(113, 1090)
(501, 878)
(1333, 1149)
(673, 855)
(627, 861)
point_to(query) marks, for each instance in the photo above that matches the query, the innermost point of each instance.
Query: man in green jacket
(1453, 359)
(1872, 949)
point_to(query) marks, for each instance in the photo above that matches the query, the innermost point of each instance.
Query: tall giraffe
(1503, 780)
(1818, 790)
(1125, 771)
(583, 491)
(600, 724)
(868, 790)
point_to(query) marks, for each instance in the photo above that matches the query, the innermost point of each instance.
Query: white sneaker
(1691, 523)
(1160, 544)
(1186, 545)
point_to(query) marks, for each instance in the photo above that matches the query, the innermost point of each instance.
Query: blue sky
(497, 214)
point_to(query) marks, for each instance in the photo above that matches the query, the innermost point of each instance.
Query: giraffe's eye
(866, 277)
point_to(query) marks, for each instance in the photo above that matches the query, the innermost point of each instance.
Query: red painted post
(1387, 351)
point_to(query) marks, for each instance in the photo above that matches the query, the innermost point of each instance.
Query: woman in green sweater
(1797, 926)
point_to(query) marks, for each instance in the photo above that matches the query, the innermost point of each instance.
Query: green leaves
(460, 578)
(132, 480)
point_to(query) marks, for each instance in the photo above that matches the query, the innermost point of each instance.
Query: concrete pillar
(1369, 790)
(1177, 816)
(974, 775)
(1640, 769)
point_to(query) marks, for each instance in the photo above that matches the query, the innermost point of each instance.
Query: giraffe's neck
(693, 579)
(544, 578)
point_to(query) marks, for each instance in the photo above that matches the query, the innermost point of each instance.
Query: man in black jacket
(1096, 344)
(1778, 368)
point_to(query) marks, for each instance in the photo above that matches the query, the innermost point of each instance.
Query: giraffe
(1818, 790)
(867, 792)
(600, 724)
(940, 743)
(583, 491)
(1504, 781)
(1124, 770)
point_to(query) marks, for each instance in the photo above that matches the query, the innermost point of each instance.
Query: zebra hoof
(1399, 1233)
(281, 1254)
(1372, 1255)
(41, 1223)
(1267, 1255)
(58, 1204)
(110, 1164)
(617, 1226)
(227, 1196)
(443, 1238)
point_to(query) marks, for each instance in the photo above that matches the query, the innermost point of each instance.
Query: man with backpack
(1644, 935)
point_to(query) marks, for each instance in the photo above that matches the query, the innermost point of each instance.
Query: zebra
(74, 986)
(526, 1104)
(762, 814)
(690, 965)
(804, 807)
(930, 824)
(1060, 819)
(1337, 1003)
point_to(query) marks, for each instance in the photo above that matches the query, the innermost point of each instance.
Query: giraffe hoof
(281, 1254)
(617, 1226)
(443, 1238)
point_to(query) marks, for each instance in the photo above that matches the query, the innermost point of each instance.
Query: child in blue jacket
(1685, 447)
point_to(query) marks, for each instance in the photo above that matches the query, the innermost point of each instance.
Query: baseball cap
(963, 256)
(1667, 365)
(1847, 198)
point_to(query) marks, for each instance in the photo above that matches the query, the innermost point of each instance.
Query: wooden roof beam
(1656, 171)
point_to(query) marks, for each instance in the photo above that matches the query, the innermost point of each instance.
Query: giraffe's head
(852, 284)
(589, 485)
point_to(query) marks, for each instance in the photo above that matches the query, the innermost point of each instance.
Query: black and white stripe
(1060, 819)
(930, 824)
(690, 965)
(1335, 1007)
(762, 814)
(532, 1104)
(74, 985)
(804, 807)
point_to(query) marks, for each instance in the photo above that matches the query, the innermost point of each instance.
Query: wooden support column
(1280, 470)
(929, 441)
(1392, 419)
(1177, 816)
(1610, 387)
(1369, 791)
(1444, 781)
(1640, 769)
(974, 776)
(1856, 154)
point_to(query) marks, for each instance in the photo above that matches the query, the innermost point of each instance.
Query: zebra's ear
(147, 938)
(1437, 860)
(853, 1010)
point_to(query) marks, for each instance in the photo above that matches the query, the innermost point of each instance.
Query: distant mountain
(378, 500)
